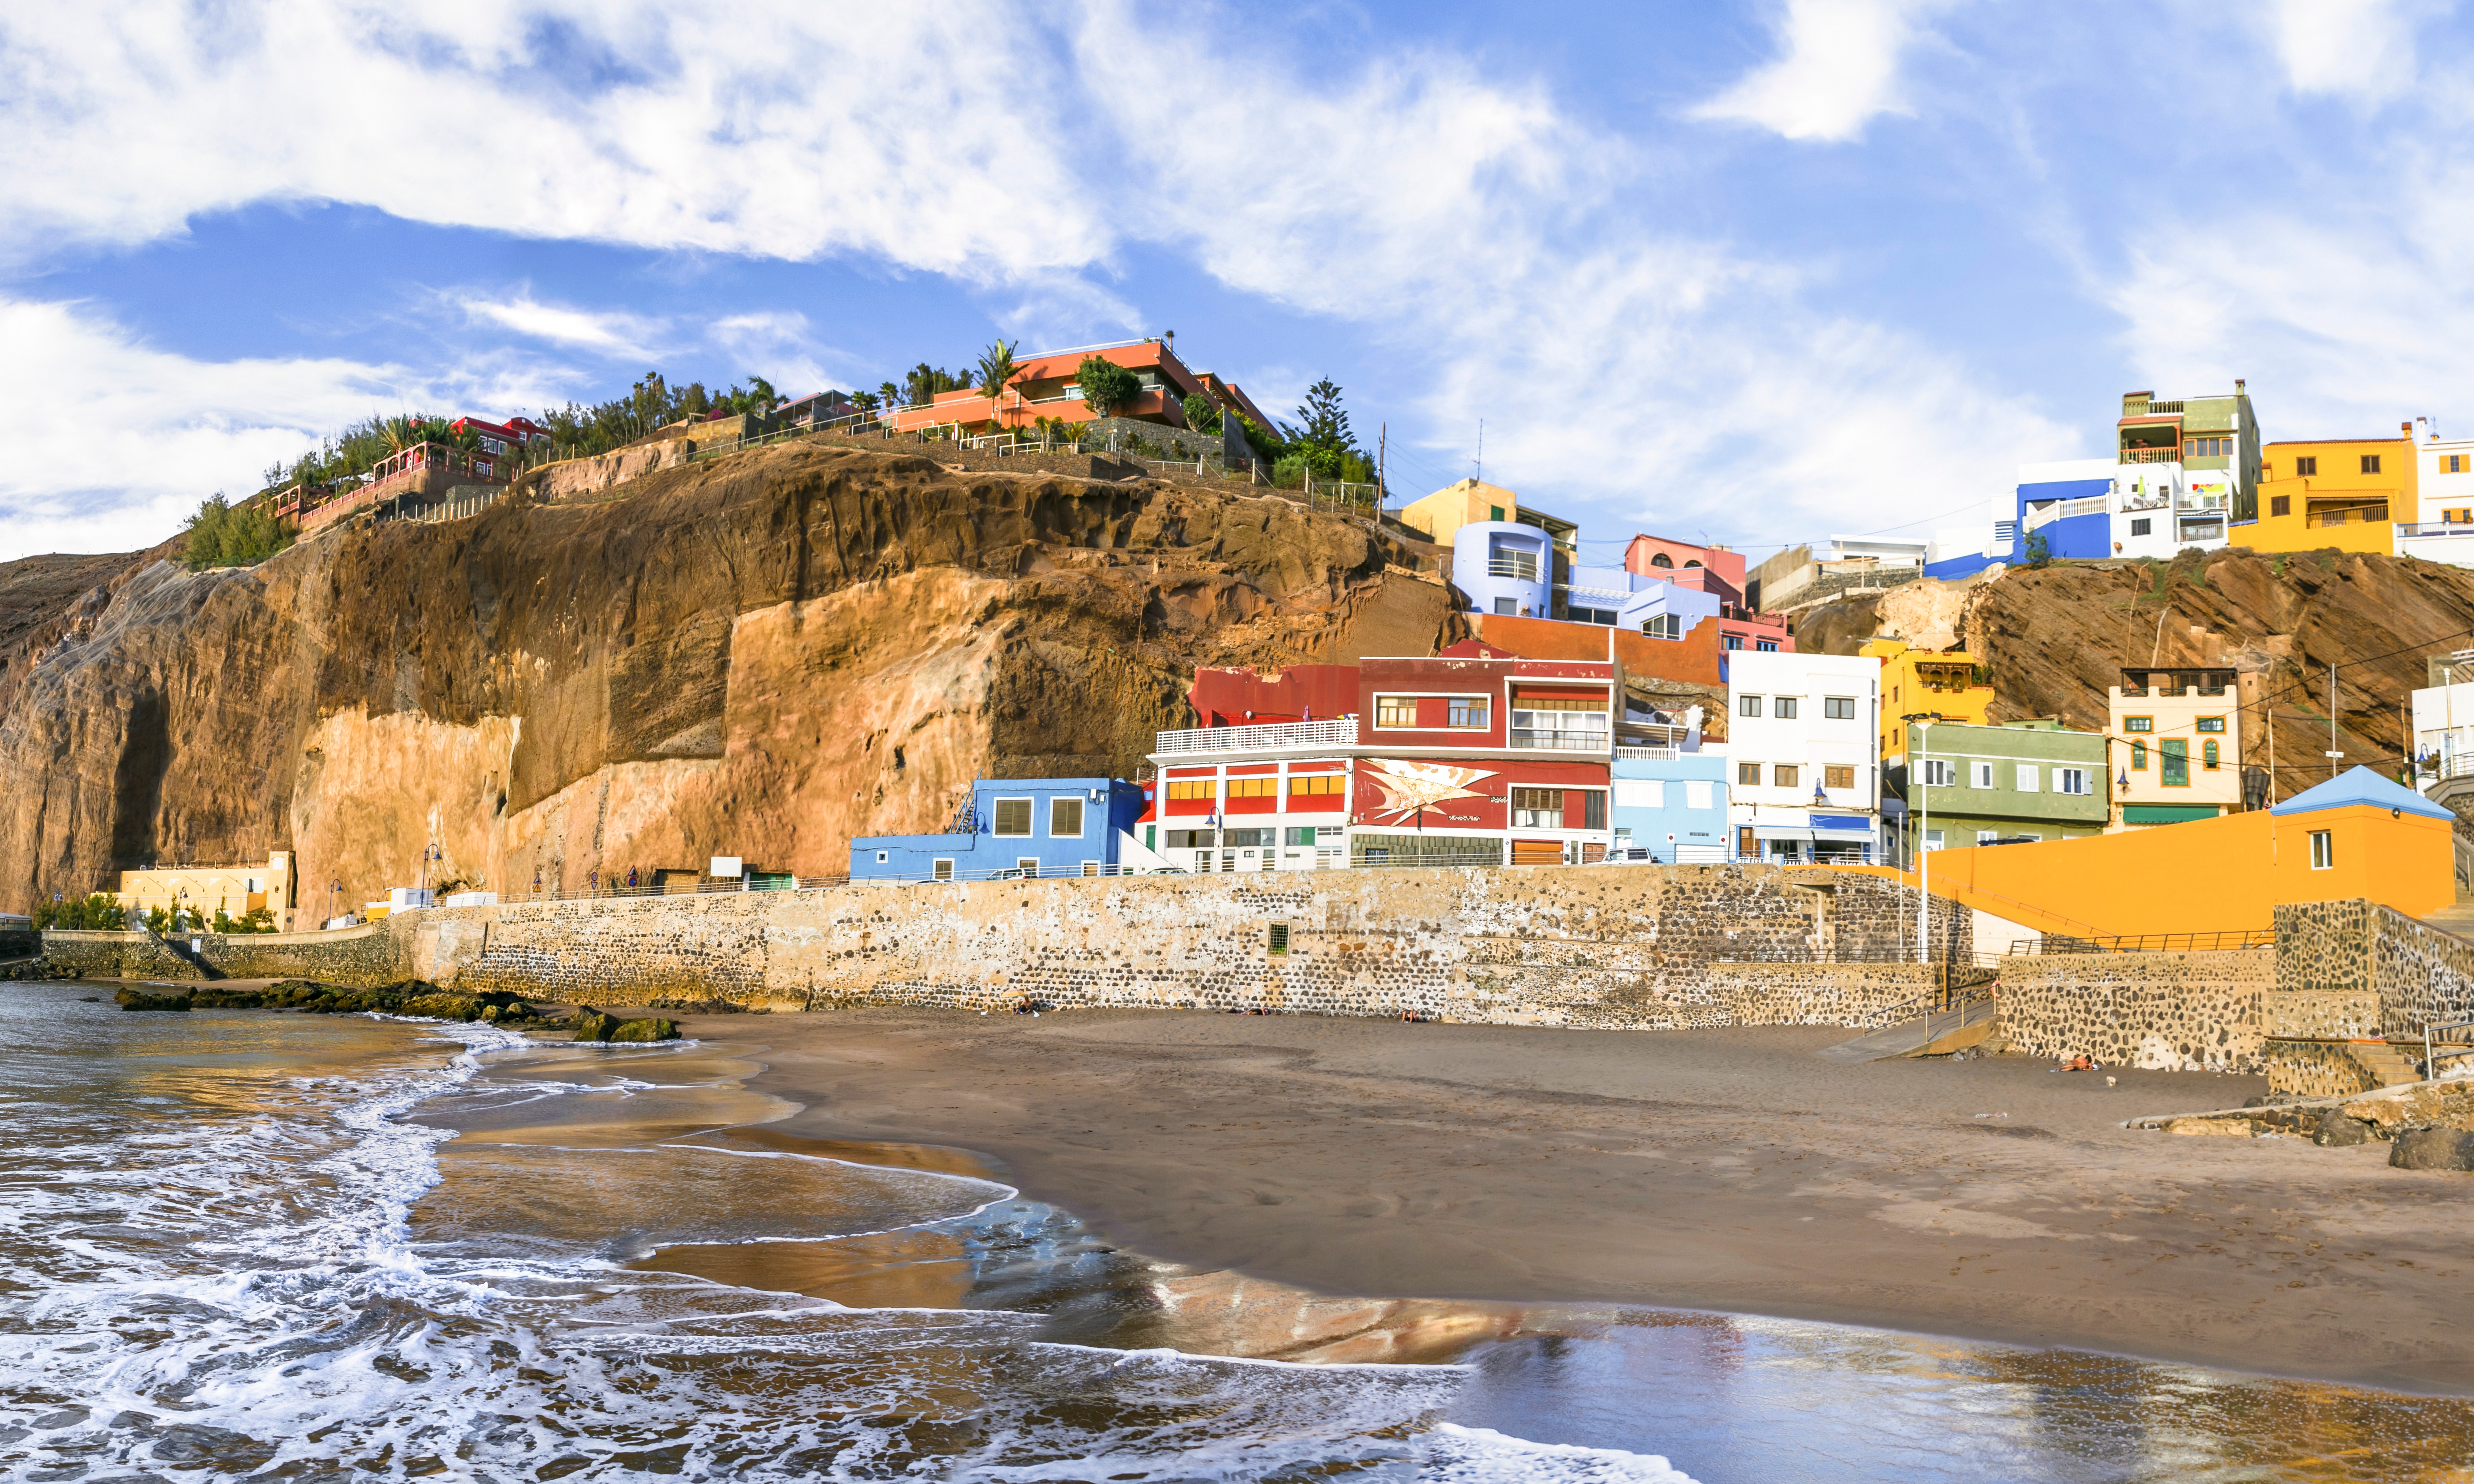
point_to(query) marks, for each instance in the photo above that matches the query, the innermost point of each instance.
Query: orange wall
(1693, 658)
(2206, 875)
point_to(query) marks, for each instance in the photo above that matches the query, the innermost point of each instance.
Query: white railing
(1272, 737)
(1525, 568)
(2435, 528)
(1650, 753)
(1560, 741)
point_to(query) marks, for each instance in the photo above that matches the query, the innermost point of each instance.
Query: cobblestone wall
(2421, 974)
(2305, 1069)
(80, 955)
(1617, 946)
(1866, 995)
(357, 956)
(2184, 1011)
(2324, 946)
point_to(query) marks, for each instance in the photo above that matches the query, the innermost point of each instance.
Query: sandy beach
(1723, 1169)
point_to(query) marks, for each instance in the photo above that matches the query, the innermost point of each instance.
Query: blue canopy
(2361, 785)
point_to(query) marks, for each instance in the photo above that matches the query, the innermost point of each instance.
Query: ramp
(1948, 1030)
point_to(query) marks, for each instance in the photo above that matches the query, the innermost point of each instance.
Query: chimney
(2238, 384)
(2405, 430)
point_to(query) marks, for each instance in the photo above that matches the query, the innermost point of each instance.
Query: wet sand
(1725, 1170)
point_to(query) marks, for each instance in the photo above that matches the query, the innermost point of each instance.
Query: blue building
(1671, 810)
(1505, 567)
(1030, 826)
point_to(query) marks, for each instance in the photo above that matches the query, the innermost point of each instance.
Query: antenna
(1480, 476)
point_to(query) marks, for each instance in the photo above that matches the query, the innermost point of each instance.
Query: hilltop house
(1044, 387)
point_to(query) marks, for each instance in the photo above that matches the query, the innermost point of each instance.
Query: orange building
(2345, 492)
(1043, 387)
(2359, 835)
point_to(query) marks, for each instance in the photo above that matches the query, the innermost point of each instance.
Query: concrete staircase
(1933, 1035)
(2388, 1067)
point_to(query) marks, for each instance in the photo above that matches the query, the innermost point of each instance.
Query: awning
(1782, 832)
(1853, 824)
(2166, 813)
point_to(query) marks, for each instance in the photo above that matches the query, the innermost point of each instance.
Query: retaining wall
(2178, 1012)
(139, 955)
(2421, 975)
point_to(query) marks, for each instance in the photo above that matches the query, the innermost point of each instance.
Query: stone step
(2388, 1067)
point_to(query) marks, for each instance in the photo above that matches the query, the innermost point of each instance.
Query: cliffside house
(1044, 387)
(1015, 828)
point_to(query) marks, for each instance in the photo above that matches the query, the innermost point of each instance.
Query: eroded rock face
(757, 656)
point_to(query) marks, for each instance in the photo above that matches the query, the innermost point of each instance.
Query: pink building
(1720, 573)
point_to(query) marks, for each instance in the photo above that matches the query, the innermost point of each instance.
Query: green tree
(2039, 551)
(997, 371)
(1107, 388)
(1201, 414)
(1322, 434)
(222, 534)
(925, 381)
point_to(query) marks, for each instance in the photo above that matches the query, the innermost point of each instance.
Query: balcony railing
(2139, 502)
(2170, 454)
(2215, 503)
(1524, 569)
(2358, 515)
(1560, 741)
(1272, 737)
(2436, 528)
(1649, 753)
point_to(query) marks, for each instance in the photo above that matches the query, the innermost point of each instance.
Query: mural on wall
(1408, 787)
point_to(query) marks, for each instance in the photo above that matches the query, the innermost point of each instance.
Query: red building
(498, 440)
(1043, 387)
(1720, 573)
(1469, 758)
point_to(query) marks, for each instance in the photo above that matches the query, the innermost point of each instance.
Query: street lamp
(1923, 799)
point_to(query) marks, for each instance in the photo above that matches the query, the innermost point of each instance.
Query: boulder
(2333, 1130)
(2233, 1128)
(592, 1024)
(2433, 1149)
(656, 1029)
(139, 999)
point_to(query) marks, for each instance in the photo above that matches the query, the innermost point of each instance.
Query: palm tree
(997, 371)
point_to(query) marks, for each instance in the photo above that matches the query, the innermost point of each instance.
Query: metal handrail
(2430, 1055)
(2057, 943)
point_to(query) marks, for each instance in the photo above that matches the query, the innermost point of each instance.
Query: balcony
(1509, 565)
(2168, 454)
(1560, 741)
(2214, 504)
(1272, 737)
(2357, 514)
(1649, 753)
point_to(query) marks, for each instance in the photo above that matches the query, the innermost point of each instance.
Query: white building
(2440, 528)
(2443, 723)
(1806, 785)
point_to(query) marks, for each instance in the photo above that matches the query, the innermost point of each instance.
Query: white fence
(1275, 736)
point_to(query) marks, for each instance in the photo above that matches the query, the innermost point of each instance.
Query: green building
(1966, 785)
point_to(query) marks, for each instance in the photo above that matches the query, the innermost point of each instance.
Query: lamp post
(334, 894)
(1923, 799)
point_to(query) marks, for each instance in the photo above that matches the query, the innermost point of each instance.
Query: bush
(224, 535)
(1202, 414)
(96, 911)
(1107, 388)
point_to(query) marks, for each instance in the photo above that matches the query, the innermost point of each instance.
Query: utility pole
(2333, 755)
(1480, 476)
(1382, 455)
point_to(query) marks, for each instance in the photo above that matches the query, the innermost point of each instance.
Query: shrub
(222, 534)
(1202, 414)
(96, 911)
(1107, 388)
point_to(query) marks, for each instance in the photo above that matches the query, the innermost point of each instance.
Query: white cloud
(111, 441)
(1837, 69)
(2361, 49)
(613, 334)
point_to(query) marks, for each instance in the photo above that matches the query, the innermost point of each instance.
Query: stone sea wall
(2185, 1012)
(1609, 947)
(85, 955)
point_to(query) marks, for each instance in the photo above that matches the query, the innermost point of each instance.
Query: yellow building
(1948, 685)
(235, 889)
(1470, 501)
(2345, 492)
(2175, 741)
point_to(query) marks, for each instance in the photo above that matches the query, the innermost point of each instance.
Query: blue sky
(1759, 273)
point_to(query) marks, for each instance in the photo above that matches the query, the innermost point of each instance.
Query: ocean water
(237, 1244)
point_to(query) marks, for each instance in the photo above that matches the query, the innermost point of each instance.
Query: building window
(1666, 626)
(2459, 516)
(1983, 775)
(1765, 646)
(1784, 774)
(1303, 834)
(2141, 526)
(1594, 808)
(942, 871)
(2370, 464)
(1987, 836)
(2280, 505)
(2323, 851)
(1275, 941)
(1065, 819)
(2208, 755)
(1189, 788)
(1700, 794)
(1013, 817)
(2452, 463)
(1783, 707)
(2138, 724)
(2030, 778)
(1263, 787)
(883, 857)
(1747, 775)
(1509, 608)
(1495, 513)
(1838, 709)
(1396, 710)
(1838, 774)
(1656, 558)
(2212, 723)
(1537, 808)
(1190, 840)
(1940, 773)
(1749, 705)
(2070, 780)
(1932, 839)
(1307, 785)
(1243, 839)
(2139, 758)
(1731, 640)
(1641, 793)
(2173, 763)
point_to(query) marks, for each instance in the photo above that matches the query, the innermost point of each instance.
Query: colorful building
(1440, 515)
(1016, 827)
(1469, 758)
(1804, 771)
(1946, 686)
(1717, 571)
(1044, 387)
(2439, 526)
(2175, 746)
(498, 440)
(2359, 835)
(1670, 806)
(2213, 439)
(1963, 784)
(235, 891)
(2345, 492)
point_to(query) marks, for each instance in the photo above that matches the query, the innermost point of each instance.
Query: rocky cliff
(759, 655)
(2058, 636)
